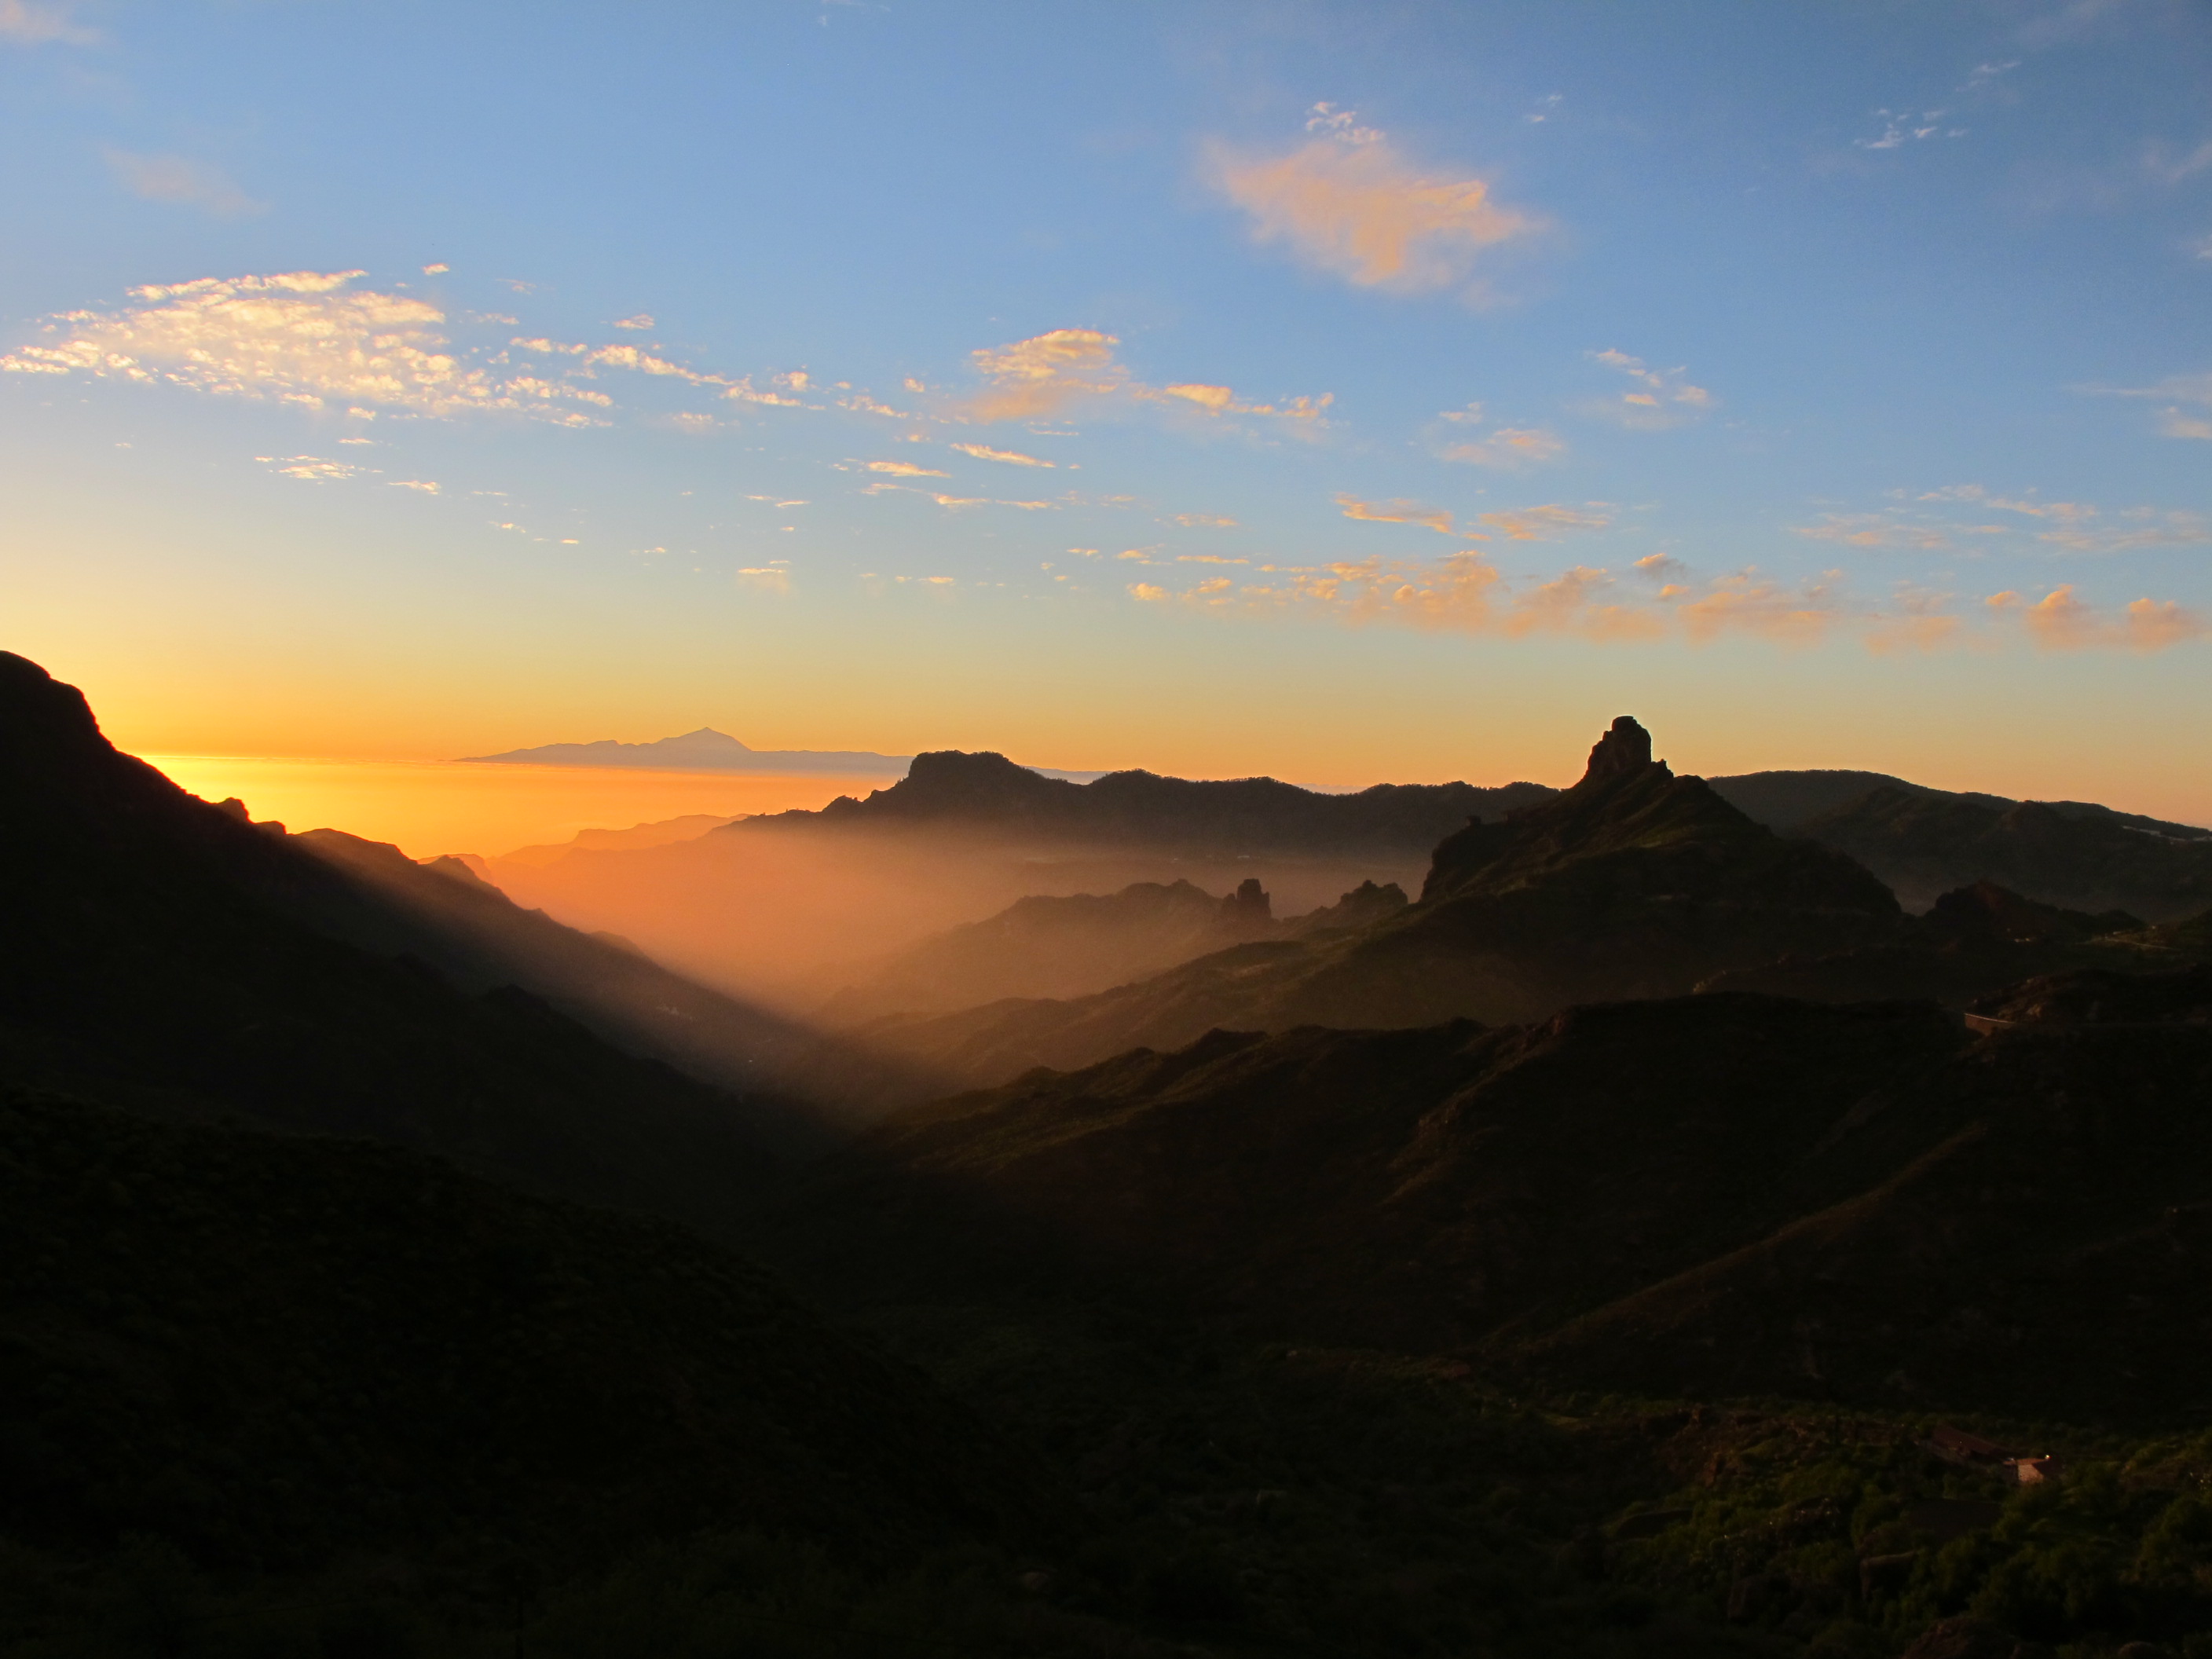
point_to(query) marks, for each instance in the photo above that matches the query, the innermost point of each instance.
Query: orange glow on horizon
(429, 807)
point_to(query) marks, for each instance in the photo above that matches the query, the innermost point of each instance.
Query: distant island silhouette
(709, 750)
(703, 751)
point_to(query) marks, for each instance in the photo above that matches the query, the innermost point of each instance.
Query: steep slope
(1722, 1193)
(162, 953)
(1635, 883)
(266, 1350)
(2054, 852)
(444, 914)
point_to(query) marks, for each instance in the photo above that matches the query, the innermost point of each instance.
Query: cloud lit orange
(1359, 209)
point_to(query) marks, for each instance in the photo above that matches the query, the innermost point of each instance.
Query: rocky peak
(1249, 905)
(1625, 747)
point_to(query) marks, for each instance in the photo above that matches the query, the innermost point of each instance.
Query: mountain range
(1635, 883)
(1721, 1194)
(1648, 1240)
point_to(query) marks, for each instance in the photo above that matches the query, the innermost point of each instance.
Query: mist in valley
(792, 918)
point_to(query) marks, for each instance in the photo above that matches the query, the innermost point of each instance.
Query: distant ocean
(429, 807)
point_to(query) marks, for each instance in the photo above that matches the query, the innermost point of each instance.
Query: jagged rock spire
(1625, 747)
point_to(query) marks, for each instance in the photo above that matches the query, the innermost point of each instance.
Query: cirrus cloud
(180, 179)
(1465, 593)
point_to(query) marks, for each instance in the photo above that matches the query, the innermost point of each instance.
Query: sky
(1347, 393)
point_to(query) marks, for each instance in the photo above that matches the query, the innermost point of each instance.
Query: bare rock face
(1249, 907)
(1624, 748)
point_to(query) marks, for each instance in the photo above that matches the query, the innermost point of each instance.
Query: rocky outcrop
(1634, 883)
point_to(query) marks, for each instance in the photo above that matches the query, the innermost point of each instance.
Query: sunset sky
(1349, 392)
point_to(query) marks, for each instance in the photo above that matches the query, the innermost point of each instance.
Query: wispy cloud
(1903, 127)
(1458, 436)
(2138, 527)
(1402, 511)
(906, 469)
(300, 337)
(1541, 524)
(316, 339)
(2174, 421)
(1663, 397)
(2083, 527)
(1507, 446)
(1463, 592)
(1048, 375)
(1347, 202)
(40, 22)
(1526, 524)
(642, 320)
(1012, 457)
(1209, 520)
(186, 182)
(1873, 530)
(314, 469)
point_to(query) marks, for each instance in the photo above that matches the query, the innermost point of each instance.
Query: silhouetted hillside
(1718, 1194)
(989, 793)
(1785, 801)
(269, 1349)
(2061, 854)
(1971, 943)
(1633, 883)
(443, 914)
(163, 954)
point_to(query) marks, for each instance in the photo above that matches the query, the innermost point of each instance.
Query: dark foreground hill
(165, 955)
(1718, 1194)
(270, 1348)
(1633, 883)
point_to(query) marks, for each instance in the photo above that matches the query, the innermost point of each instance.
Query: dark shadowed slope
(159, 952)
(1725, 1192)
(1635, 883)
(988, 794)
(2082, 858)
(269, 1349)
(442, 913)
(1971, 942)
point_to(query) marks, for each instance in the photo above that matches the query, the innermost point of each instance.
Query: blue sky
(1421, 384)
